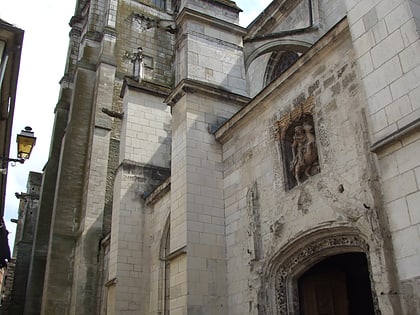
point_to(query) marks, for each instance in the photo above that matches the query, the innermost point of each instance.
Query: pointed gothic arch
(164, 272)
(254, 50)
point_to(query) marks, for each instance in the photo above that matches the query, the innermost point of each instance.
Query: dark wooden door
(324, 293)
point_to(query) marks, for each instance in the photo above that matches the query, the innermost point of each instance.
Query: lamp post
(25, 143)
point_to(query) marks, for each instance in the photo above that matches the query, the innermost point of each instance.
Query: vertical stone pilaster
(386, 39)
(68, 209)
(197, 209)
(84, 292)
(144, 161)
(209, 60)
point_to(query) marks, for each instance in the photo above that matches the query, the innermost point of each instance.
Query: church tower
(79, 179)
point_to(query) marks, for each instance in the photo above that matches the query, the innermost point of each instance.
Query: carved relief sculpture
(298, 144)
(305, 155)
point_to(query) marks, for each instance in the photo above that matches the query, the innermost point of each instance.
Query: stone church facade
(199, 167)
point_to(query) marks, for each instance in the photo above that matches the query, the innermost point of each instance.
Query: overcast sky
(45, 43)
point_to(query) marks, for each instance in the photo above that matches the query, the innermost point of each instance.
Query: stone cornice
(188, 13)
(159, 192)
(177, 253)
(144, 86)
(129, 164)
(229, 4)
(395, 136)
(192, 86)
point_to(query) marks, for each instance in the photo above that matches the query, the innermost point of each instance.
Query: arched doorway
(337, 285)
(343, 248)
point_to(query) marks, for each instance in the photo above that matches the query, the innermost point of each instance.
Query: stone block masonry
(386, 39)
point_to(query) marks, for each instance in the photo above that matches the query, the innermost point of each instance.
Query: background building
(198, 167)
(11, 39)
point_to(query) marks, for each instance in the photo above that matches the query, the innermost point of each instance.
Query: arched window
(279, 62)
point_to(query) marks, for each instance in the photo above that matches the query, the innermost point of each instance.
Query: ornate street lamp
(25, 143)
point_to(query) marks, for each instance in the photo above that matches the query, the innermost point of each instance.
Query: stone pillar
(210, 85)
(386, 39)
(197, 240)
(144, 164)
(68, 211)
(85, 280)
(210, 45)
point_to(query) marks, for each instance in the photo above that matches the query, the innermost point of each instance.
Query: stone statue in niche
(297, 140)
(304, 152)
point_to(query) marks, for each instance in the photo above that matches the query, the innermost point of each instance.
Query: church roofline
(193, 14)
(223, 133)
(228, 3)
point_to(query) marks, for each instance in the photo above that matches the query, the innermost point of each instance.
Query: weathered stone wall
(386, 40)
(210, 50)
(146, 136)
(197, 212)
(157, 44)
(130, 258)
(399, 170)
(341, 195)
(144, 161)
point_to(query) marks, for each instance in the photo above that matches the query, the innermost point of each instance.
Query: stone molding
(396, 136)
(177, 253)
(287, 267)
(158, 193)
(193, 86)
(188, 13)
(144, 86)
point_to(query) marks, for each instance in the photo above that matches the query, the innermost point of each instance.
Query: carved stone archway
(282, 296)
